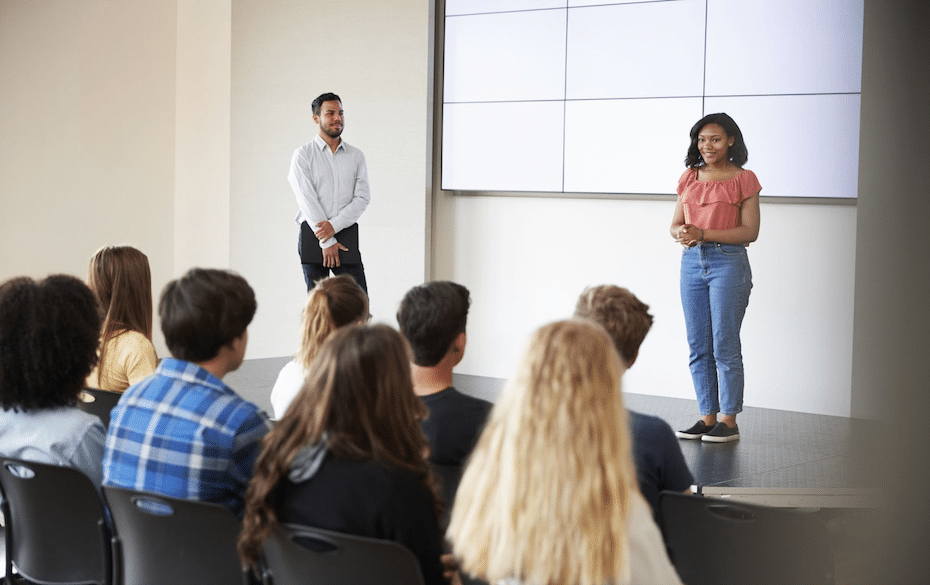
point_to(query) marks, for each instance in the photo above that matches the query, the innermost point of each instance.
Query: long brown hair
(122, 282)
(334, 302)
(360, 394)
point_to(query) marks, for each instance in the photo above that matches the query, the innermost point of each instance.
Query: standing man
(330, 181)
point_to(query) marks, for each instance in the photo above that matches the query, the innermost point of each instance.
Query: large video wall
(587, 96)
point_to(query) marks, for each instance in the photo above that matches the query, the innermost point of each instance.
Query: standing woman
(550, 493)
(122, 282)
(716, 217)
(349, 454)
(335, 301)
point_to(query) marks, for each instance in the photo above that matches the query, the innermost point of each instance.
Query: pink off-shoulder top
(715, 205)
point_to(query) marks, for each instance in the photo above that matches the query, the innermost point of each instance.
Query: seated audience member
(182, 432)
(660, 464)
(349, 455)
(49, 331)
(333, 302)
(122, 282)
(432, 317)
(549, 494)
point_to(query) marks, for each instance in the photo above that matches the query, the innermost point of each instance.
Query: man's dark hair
(49, 332)
(431, 316)
(326, 97)
(203, 311)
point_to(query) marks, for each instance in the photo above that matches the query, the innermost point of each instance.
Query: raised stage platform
(783, 458)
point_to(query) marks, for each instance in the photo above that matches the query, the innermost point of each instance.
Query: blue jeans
(315, 272)
(715, 284)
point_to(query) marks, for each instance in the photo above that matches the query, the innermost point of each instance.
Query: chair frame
(98, 402)
(710, 540)
(55, 525)
(352, 560)
(186, 541)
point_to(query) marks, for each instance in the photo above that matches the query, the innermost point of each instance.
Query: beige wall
(170, 125)
(87, 124)
(201, 157)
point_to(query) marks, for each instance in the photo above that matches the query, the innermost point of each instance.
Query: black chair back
(56, 528)
(297, 555)
(99, 402)
(160, 540)
(710, 540)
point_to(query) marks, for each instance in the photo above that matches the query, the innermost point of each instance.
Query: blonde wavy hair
(546, 494)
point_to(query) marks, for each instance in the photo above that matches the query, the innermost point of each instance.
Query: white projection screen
(587, 96)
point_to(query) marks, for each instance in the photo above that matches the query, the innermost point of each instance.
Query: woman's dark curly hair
(49, 331)
(738, 153)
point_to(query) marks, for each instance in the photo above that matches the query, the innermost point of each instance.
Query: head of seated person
(49, 332)
(433, 317)
(205, 316)
(616, 309)
(333, 302)
(122, 282)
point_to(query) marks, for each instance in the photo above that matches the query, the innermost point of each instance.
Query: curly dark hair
(738, 153)
(49, 332)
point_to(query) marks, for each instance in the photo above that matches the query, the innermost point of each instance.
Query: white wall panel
(784, 47)
(614, 144)
(505, 146)
(645, 50)
(505, 57)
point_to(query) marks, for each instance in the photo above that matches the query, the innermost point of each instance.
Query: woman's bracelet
(702, 234)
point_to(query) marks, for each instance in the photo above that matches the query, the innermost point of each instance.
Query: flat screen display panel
(584, 96)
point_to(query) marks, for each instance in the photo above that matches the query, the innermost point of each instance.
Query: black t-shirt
(660, 464)
(453, 425)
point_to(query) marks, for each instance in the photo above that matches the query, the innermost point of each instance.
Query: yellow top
(130, 358)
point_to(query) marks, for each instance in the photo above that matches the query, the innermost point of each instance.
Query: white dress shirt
(329, 186)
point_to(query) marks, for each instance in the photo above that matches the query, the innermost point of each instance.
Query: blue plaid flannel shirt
(183, 433)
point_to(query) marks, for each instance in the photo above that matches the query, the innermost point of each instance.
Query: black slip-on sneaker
(721, 433)
(697, 430)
